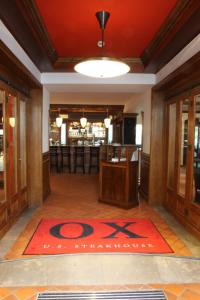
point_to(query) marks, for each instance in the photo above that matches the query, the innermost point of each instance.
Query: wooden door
(171, 154)
(11, 153)
(193, 207)
(183, 159)
(22, 165)
(3, 202)
(16, 172)
(178, 154)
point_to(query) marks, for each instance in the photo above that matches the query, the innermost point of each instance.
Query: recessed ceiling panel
(74, 30)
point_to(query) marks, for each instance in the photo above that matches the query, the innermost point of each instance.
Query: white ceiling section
(97, 88)
(79, 89)
(75, 78)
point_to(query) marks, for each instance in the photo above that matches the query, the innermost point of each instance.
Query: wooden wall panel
(34, 148)
(184, 81)
(144, 175)
(4, 222)
(46, 174)
(156, 183)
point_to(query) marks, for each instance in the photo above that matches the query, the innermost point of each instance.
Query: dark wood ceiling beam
(185, 78)
(180, 28)
(13, 18)
(36, 24)
(14, 73)
(74, 108)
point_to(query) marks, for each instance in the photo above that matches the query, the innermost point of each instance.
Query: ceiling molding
(181, 26)
(14, 73)
(14, 20)
(35, 22)
(183, 79)
(184, 55)
(23, 20)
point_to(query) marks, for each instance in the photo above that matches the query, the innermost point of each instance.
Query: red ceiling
(74, 30)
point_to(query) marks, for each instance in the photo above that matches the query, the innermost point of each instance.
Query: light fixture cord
(102, 37)
(102, 34)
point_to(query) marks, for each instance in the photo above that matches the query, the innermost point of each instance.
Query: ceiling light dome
(102, 67)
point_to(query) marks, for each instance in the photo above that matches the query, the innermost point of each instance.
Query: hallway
(76, 196)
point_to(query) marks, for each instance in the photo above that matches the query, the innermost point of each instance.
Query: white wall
(45, 121)
(139, 103)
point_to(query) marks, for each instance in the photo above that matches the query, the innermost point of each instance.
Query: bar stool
(79, 158)
(54, 158)
(65, 158)
(94, 159)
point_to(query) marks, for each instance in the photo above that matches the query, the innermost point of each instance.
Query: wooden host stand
(119, 178)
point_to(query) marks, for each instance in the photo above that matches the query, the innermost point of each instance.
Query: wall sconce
(12, 121)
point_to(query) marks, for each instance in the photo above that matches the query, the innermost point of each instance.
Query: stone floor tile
(25, 293)
(189, 294)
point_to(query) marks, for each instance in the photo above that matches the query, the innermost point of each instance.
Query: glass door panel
(2, 151)
(183, 146)
(12, 145)
(171, 146)
(196, 153)
(22, 131)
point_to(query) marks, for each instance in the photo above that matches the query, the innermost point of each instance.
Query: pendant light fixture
(102, 67)
(59, 120)
(83, 121)
(107, 121)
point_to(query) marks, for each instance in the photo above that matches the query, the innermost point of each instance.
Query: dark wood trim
(34, 158)
(156, 173)
(181, 26)
(46, 174)
(86, 108)
(12, 14)
(35, 22)
(185, 78)
(4, 220)
(14, 73)
(144, 175)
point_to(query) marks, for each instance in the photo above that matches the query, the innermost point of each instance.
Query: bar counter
(75, 158)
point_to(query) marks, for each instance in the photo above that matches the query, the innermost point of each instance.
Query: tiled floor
(76, 196)
(172, 291)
